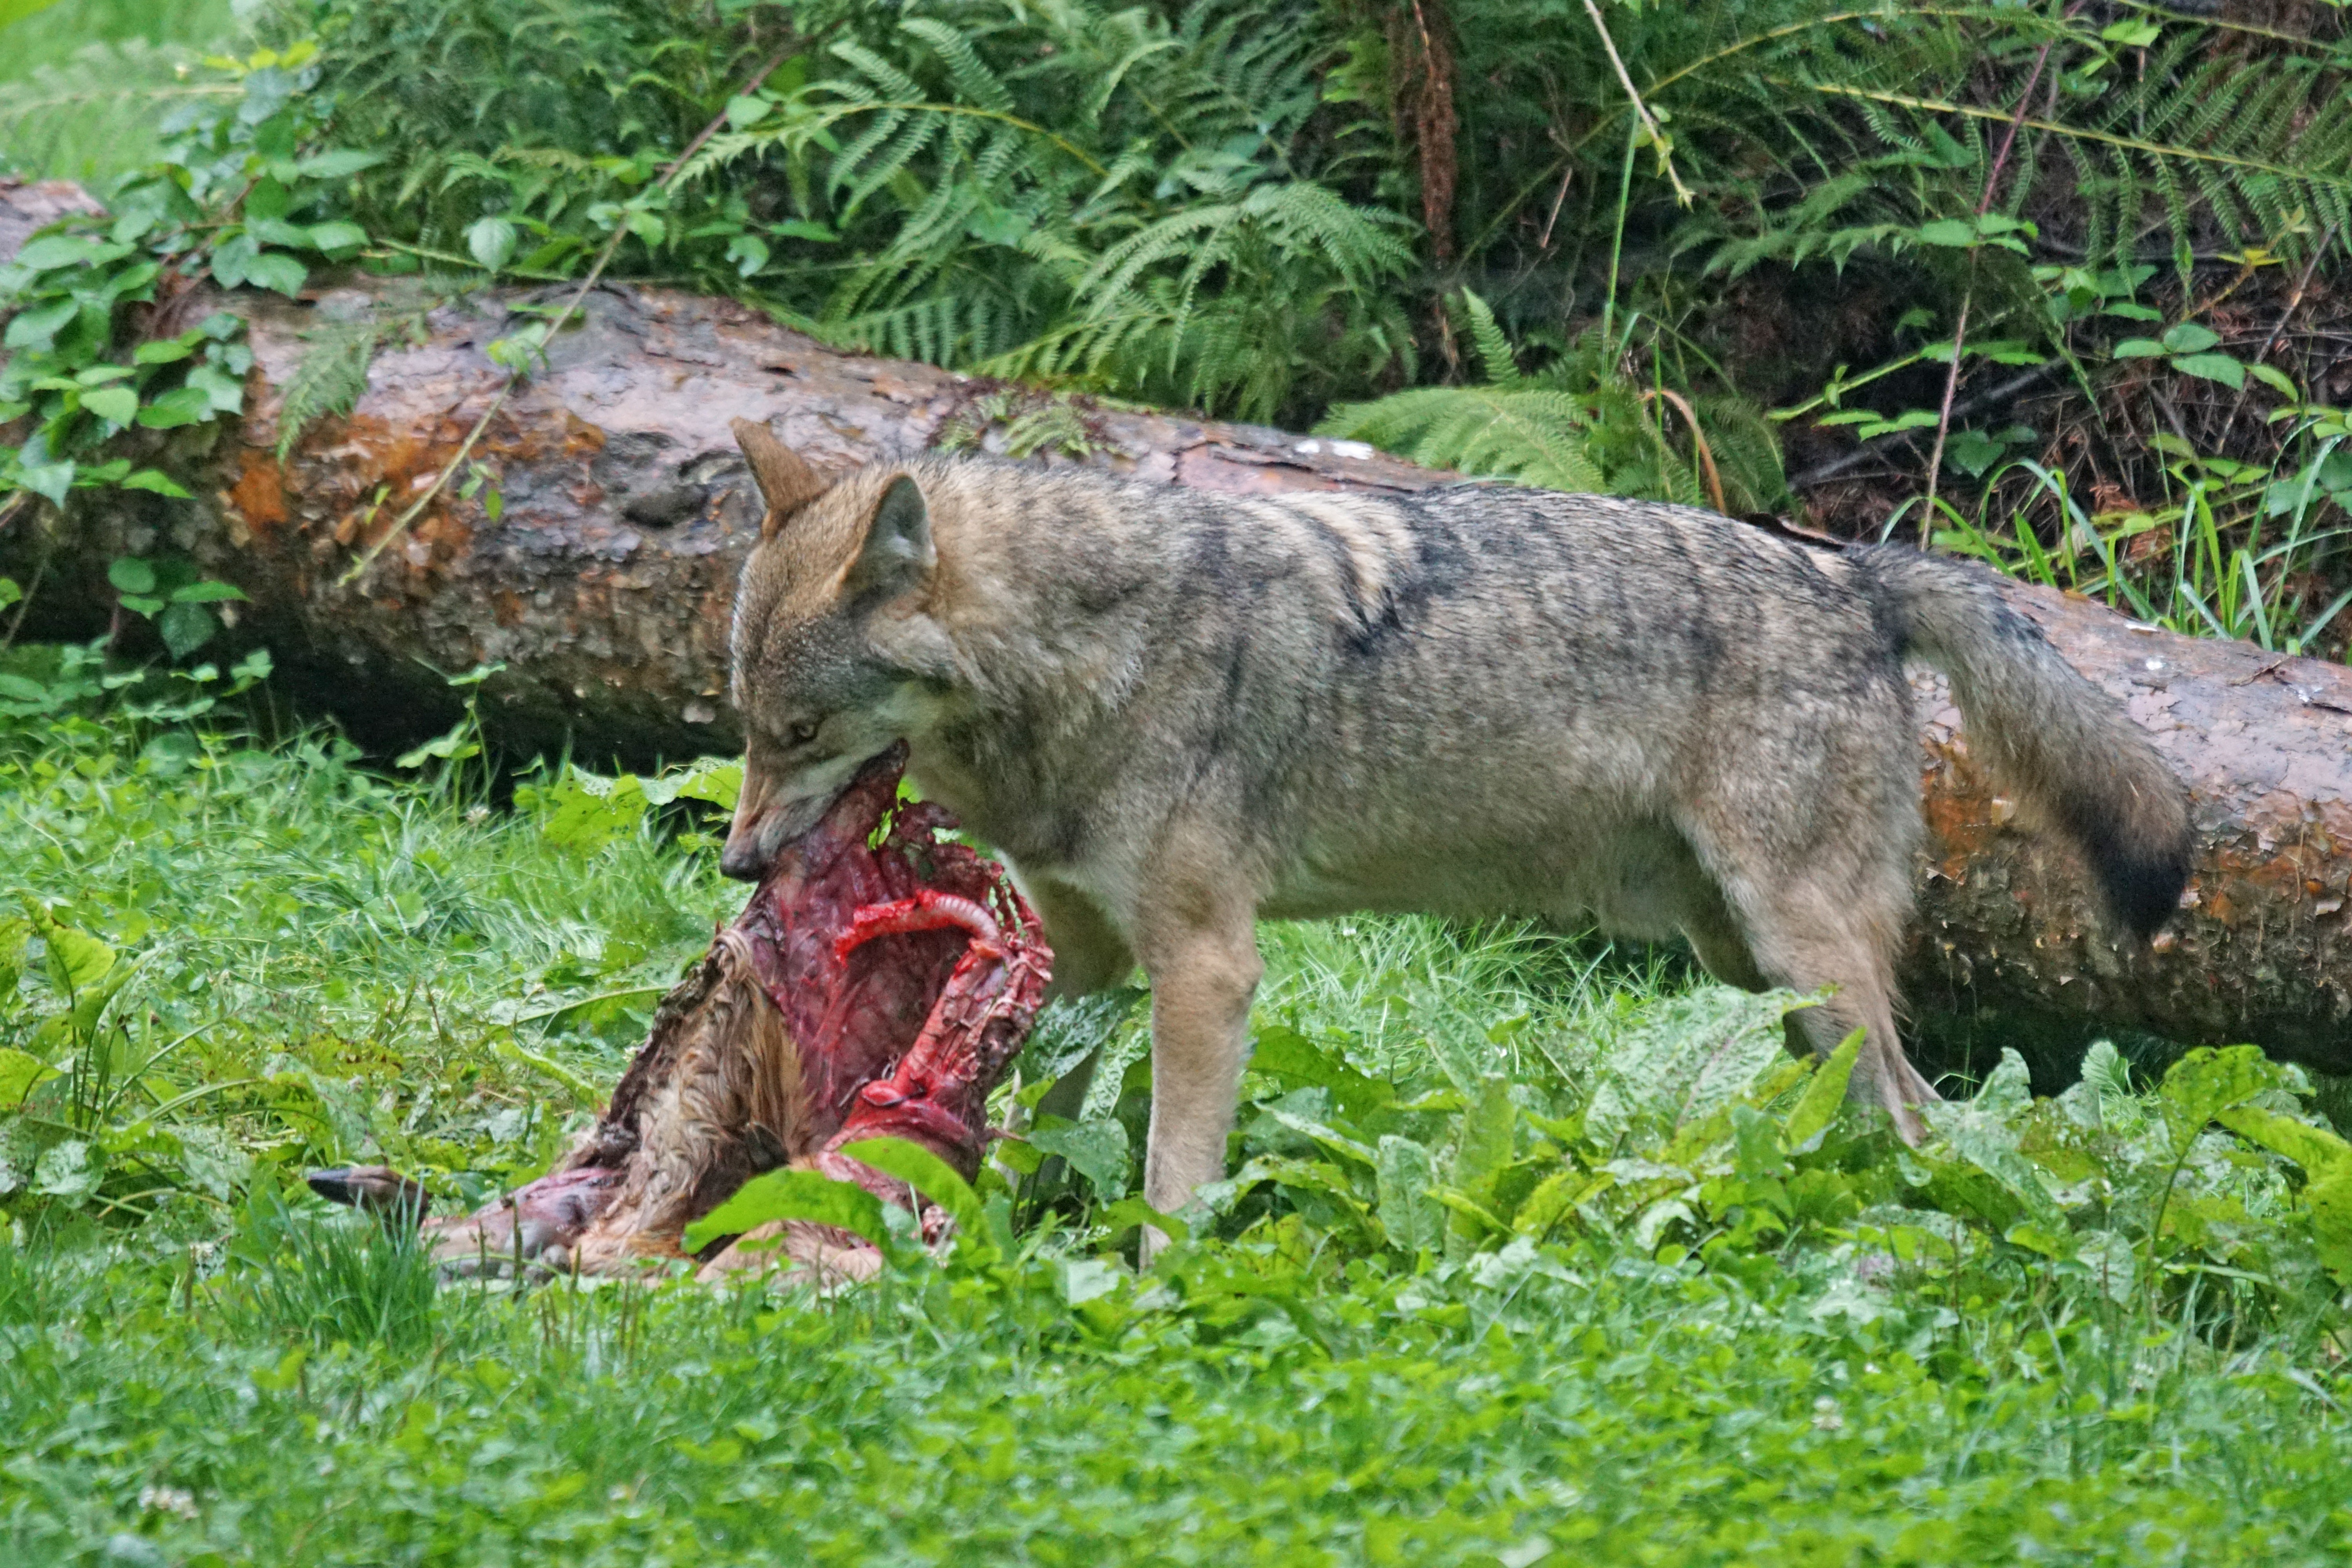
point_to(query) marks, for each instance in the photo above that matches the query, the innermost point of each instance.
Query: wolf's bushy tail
(2068, 749)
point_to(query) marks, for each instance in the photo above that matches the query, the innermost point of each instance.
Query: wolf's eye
(802, 733)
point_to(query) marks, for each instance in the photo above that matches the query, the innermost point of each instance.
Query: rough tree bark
(604, 579)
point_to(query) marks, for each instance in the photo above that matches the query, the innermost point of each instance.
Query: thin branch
(1658, 137)
(556, 324)
(1960, 332)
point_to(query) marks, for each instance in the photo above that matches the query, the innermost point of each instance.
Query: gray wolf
(1176, 713)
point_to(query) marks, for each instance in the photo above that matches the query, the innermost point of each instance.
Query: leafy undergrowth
(1532, 1251)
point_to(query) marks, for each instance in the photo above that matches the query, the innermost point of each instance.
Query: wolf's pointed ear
(898, 554)
(786, 484)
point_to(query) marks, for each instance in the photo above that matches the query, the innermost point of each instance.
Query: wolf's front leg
(1199, 948)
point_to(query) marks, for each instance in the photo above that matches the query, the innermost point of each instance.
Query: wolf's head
(834, 655)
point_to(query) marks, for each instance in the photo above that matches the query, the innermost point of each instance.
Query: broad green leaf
(1948, 231)
(791, 1194)
(2190, 338)
(9, 592)
(2323, 1155)
(1083, 1280)
(51, 480)
(1818, 1105)
(2331, 1223)
(1482, 1147)
(1096, 1150)
(19, 1071)
(1554, 1196)
(337, 164)
(2277, 380)
(584, 811)
(71, 1173)
(2138, 348)
(33, 329)
(1330, 1137)
(2207, 1082)
(1293, 1060)
(1412, 1218)
(1128, 1213)
(78, 961)
(932, 1177)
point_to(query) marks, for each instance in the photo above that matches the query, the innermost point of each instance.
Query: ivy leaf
(155, 482)
(334, 236)
(165, 351)
(131, 575)
(50, 479)
(339, 163)
(52, 250)
(2228, 371)
(185, 629)
(275, 269)
(117, 405)
(35, 328)
(205, 592)
(491, 242)
(181, 406)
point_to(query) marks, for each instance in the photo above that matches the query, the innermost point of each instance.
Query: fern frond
(331, 379)
(1534, 436)
(96, 114)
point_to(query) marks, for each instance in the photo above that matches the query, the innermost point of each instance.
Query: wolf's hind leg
(1809, 935)
(1721, 948)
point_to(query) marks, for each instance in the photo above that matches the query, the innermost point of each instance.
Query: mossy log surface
(596, 559)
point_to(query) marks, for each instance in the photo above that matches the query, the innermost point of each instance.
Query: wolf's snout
(748, 850)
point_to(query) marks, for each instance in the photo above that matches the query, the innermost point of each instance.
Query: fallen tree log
(596, 560)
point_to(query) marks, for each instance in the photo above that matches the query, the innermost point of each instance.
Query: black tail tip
(2143, 884)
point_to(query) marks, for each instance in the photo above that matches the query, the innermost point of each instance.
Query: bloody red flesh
(905, 968)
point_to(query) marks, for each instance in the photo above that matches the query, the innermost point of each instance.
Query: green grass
(200, 1364)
